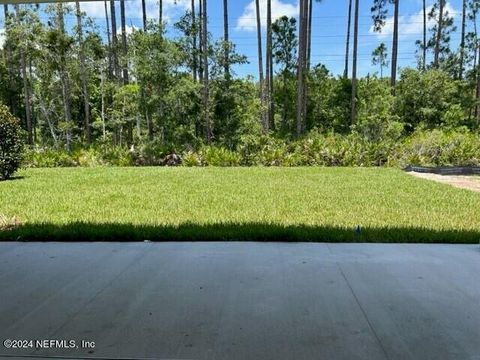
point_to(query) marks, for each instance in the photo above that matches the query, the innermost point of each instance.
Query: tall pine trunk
(113, 17)
(109, 42)
(9, 62)
(264, 118)
(393, 79)
(226, 38)
(124, 43)
(302, 59)
(144, 16)
(462, 40)
(200, 41)
(160, 12)
(424, 61)
(269, 68)
(83, 74)
(354, 71)
(478, 85)
(26, 86)
(194, 44)
(347, 47)
(64, 77)
(436, 61)
(206, 83)
(309, 34)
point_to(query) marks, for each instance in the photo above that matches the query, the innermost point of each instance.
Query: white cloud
(128, 29)
(410, 25)
(247, 21)
(133, 8)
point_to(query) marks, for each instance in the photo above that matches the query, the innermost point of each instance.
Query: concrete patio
(242, 300)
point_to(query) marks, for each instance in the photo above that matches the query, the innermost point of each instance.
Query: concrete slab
(241, 300)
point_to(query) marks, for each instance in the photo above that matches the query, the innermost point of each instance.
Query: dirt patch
(462, 182)
(8, 223)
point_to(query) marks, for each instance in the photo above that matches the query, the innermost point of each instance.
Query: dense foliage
(11, 143)
(423, 148)
(140, 98)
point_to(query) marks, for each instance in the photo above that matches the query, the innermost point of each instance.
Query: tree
(206, 83)
(462, 40)
(11, 144)
(302, 66)
(347, 45)
(440, 39)
(264, 118)
(144, 15)
(113, 17)
(379, 57)
(64, 44)
(441, 5)
(83, 73)
(353, 117)
(379, 15)
(194, 43)
(269, 69)
(160, 11)
(109, 41)
(226, 38)
(124, 43)
(424, 63)
(285, 52)
(23, 63)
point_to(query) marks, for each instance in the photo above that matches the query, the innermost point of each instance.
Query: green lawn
(288, 204)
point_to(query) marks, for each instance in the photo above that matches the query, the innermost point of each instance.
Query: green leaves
(11, 143)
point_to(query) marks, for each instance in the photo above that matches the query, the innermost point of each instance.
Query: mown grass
(285, 204)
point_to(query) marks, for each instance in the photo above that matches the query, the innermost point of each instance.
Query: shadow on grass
(233, 232)
(13, 178)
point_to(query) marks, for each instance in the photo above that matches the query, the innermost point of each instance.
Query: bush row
(423, 148)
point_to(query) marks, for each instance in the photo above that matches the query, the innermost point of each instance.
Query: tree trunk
(107, 22)
(194, 44)
(393, 79)
(144, 16)
(424, 62)
(64, 78)
(200, 41)
(124, 43)
(206, 84)
(462, 41)
(309, 34)
(347, 47)
(226, 38)
(264, 118)
(113, 16)
(9, 62)
(302, 57)
(436, 61)
(160, 12)
(269, 68)
(354, 72)
(478, 86)
(83, 74)
(26, 87)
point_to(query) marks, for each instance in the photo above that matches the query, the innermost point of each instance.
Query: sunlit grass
(236, 203)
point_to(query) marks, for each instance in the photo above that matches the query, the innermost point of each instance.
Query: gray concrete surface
(242, 300)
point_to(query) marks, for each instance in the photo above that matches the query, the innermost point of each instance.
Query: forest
(141, 97)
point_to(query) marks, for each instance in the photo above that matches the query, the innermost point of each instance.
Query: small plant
(11, 143)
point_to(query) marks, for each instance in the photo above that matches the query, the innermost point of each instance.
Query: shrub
(441, 148)
(11, 143)
(219, 156)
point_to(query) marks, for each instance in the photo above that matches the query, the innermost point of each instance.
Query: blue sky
(329, 27)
